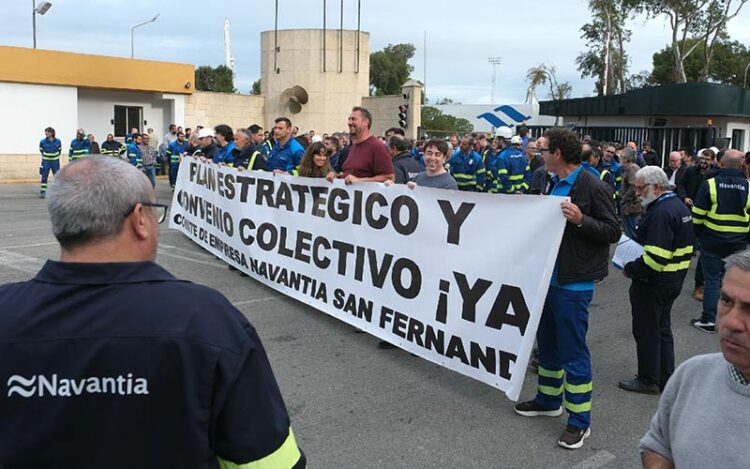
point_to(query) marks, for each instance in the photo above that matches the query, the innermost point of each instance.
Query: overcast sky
(461, 35)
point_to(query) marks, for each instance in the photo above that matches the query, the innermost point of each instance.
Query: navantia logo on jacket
(55, 386)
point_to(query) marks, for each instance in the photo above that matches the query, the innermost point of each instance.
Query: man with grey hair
(404, 165)
(704, 412)
(666, 233)
(105, 339)
(721, 216)
(676, 168)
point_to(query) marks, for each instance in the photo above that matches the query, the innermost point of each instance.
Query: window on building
(127, 117)
(738, 139)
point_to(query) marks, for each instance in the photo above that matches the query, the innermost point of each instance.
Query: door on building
(738, 139)
(127, 117)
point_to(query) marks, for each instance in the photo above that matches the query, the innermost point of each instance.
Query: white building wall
(96, 110)
(28, 109)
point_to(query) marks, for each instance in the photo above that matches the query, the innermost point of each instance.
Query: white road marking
(596, 461)
(35, 245)
(197, 261)
(28, 264)
(257, 300)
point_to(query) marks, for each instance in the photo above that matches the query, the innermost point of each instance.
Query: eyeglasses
(542, 150)
(161, 210)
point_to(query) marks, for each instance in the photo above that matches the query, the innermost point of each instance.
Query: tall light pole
(495, 61)
(37, 10)
(744, 82)
(132, 30)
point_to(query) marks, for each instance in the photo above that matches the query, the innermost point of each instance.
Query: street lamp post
(132, 31)
(744, 82)
(495, 61)
(40, 10)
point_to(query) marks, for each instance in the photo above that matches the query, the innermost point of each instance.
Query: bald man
(676, 168)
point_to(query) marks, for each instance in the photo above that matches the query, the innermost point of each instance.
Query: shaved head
(732, 159)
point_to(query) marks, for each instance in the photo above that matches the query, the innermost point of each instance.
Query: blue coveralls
(79, 147)
(173, 153)
(50, 150)
(468, 171)
(512, 169)
(564, 358)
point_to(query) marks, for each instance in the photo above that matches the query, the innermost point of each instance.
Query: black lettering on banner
(321, 262)
(381, 221)
(193, 171)
(456, 349)
(470, 295)
(413, 219)
(262, 230)
(229, 191)
(357, 208)
(486, 356)
(379, 274)
(399, 267)
(319, 201)
(455, 219)
(338, 211)
(513, 297)
(247, 225)
(441, 315)
(265, 191)
(283, 248)
(220, 184)
(284, 197)
(505, 359)
(352, 304)
(359, 263)
(302, 246)
(344, 250)
(301, 191)
(245, 182)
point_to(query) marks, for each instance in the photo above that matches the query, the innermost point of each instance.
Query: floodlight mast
(40, 10)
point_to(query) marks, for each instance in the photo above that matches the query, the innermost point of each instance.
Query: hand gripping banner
(456, 278)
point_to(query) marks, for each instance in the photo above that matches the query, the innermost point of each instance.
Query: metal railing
(662, 139)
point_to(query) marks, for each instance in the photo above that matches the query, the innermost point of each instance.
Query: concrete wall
(96, 110)
(334, 85)
(384, 110)
(236, 110)
(28, 109)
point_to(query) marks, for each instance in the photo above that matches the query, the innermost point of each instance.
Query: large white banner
(453, 277)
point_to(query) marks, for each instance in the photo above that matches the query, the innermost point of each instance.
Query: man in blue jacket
(174, 153)
(79, 146)
(134, 151)
(118, 362)
(512, 169)
(467, 168)
(287, 152)
(50, 148)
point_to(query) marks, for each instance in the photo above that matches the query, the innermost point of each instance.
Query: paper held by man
(627, 250)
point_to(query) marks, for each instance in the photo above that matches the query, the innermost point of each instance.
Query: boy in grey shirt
(435, 174)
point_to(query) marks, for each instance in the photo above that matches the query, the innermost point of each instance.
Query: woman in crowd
(315, 162)
(631, 205)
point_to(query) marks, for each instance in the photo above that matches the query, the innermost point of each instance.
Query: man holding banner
(564, 359)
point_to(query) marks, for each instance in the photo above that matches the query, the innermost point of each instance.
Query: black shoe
(572, 437)
(636, 385)
(42, 195)
(532, 409)
(243, 274)
(385, 345)
(704, 325)
(231, 267)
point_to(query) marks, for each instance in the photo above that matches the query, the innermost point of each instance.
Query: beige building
(308, 75)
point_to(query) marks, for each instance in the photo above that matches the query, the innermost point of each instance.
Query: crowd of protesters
(698, 202)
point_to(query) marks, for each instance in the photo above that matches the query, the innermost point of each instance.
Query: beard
(649, 197)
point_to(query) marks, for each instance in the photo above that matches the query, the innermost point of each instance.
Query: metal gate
(662, 139)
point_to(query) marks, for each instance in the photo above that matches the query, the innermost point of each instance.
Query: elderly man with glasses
(119, 363)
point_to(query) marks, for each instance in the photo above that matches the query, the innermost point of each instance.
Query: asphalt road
(353, 405)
